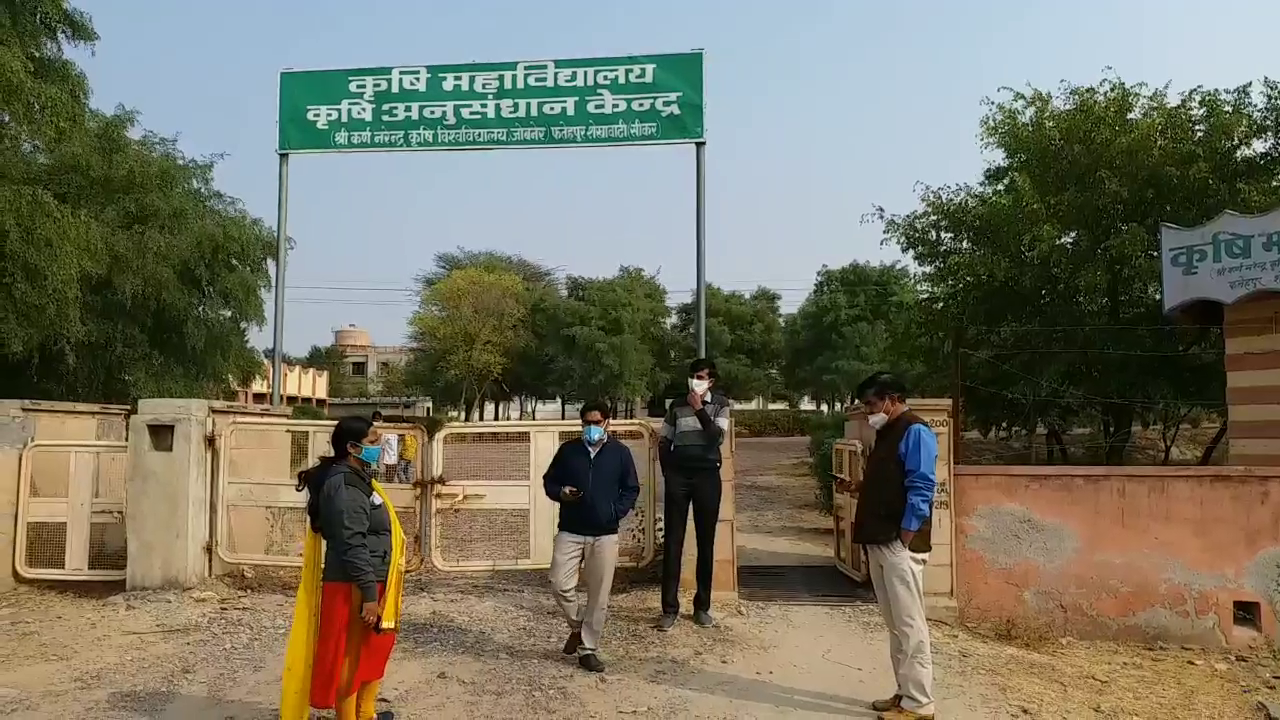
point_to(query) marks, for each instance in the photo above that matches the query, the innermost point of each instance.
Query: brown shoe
(901, 713)
(573, 643)
(892, 703)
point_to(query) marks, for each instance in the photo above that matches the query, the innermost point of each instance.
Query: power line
(1063, 328)
(1098, 351)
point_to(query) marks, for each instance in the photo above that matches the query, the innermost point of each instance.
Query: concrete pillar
(724, 580)
(169, 492)
(1252, 339)
(939, 575)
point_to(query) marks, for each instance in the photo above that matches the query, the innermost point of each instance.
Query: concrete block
(727, 511)
(169, 491)
(937, 579)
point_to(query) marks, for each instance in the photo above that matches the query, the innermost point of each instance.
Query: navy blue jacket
(608, 483)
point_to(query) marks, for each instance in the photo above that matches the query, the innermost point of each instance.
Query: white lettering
(349, 109)
(477, 109)
(407, 78)
(535, 74)
(606, 103)
(575, 77)
(558, 106)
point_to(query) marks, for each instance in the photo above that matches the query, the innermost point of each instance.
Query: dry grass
(1066, 678)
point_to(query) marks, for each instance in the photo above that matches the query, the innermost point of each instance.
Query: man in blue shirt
(894, 522)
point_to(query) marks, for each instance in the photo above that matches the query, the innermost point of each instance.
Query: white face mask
(877, 421)
(699, 386)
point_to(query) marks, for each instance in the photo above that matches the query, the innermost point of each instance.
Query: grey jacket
(357, 531)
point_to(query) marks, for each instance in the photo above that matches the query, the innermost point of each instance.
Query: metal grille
(838, 463)
(486, 457)
(71, 510)
(262, 519)
(300, 450)
(107, 546)
(483, 535)
(46, 545)
(488, 508)
(267, 531)
(801, 585)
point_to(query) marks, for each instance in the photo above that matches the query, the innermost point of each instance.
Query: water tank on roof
(351, 335)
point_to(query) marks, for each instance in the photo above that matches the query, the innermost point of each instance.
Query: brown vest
(883, 499)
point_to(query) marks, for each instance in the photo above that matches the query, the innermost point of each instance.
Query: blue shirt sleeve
(919, 453)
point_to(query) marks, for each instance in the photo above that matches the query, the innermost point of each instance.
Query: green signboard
(634, 100)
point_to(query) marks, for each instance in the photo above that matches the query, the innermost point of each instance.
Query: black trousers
(701, 489)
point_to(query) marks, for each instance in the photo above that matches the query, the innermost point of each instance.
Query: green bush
(433, 424)
(308, 412)
(824, 430)
(773, 423)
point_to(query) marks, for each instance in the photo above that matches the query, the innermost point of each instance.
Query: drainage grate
(801, 585)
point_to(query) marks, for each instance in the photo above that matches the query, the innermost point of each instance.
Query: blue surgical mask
(593, 434)
(371, 454)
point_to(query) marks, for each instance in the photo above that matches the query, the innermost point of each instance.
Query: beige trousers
(595, 557)
(898, 577)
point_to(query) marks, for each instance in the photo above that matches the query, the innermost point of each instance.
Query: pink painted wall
(1128, 553)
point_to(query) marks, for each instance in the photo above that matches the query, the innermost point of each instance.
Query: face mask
(877, 421)
(699, 386)
(371, 454)
(593, 434)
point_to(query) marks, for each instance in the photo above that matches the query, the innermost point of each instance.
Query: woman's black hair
(350, 429)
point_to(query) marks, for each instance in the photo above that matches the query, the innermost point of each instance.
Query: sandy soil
(487, 647)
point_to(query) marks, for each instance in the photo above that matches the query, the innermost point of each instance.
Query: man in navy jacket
(594, 480)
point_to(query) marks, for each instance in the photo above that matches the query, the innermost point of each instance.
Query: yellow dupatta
(295, 685)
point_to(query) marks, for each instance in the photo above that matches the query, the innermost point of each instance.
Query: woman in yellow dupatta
(348, 609)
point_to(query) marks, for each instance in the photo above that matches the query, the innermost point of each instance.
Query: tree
(130, 274)
(1049, 264)
(744, 337)
(613, 333)
(474, 321)
(529, 374)
(858, 319)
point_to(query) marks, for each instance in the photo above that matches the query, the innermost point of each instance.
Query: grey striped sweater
(691, 441)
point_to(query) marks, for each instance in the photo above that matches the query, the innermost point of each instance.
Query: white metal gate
(261, 518)
(71, 496)
(487, 507)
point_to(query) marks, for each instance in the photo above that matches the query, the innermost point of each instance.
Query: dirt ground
(487, 647)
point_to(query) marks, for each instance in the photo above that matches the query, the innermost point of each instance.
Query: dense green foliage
(128, 273)
(774, 423)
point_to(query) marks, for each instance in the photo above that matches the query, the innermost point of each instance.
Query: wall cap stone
(1067, 472)
(8, 407)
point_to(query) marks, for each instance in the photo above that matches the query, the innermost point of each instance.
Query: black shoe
(591, 663)
(385, 715)
(703, 619)
(573, 643)
(666, 622)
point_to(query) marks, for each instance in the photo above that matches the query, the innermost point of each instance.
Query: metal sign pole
(282, 249)
(700, 153)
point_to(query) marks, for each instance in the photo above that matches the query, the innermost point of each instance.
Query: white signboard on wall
(1225, 259)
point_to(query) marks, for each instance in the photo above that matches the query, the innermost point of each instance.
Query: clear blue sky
(815, 110)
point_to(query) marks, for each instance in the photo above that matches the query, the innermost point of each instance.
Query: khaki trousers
(898, 577)
(595, 557)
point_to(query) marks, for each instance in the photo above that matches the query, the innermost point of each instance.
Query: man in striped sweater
(689, 453)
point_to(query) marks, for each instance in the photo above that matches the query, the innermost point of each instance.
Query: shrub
(773, 423)
(433, 424)
(824, 430)
(308, 412)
